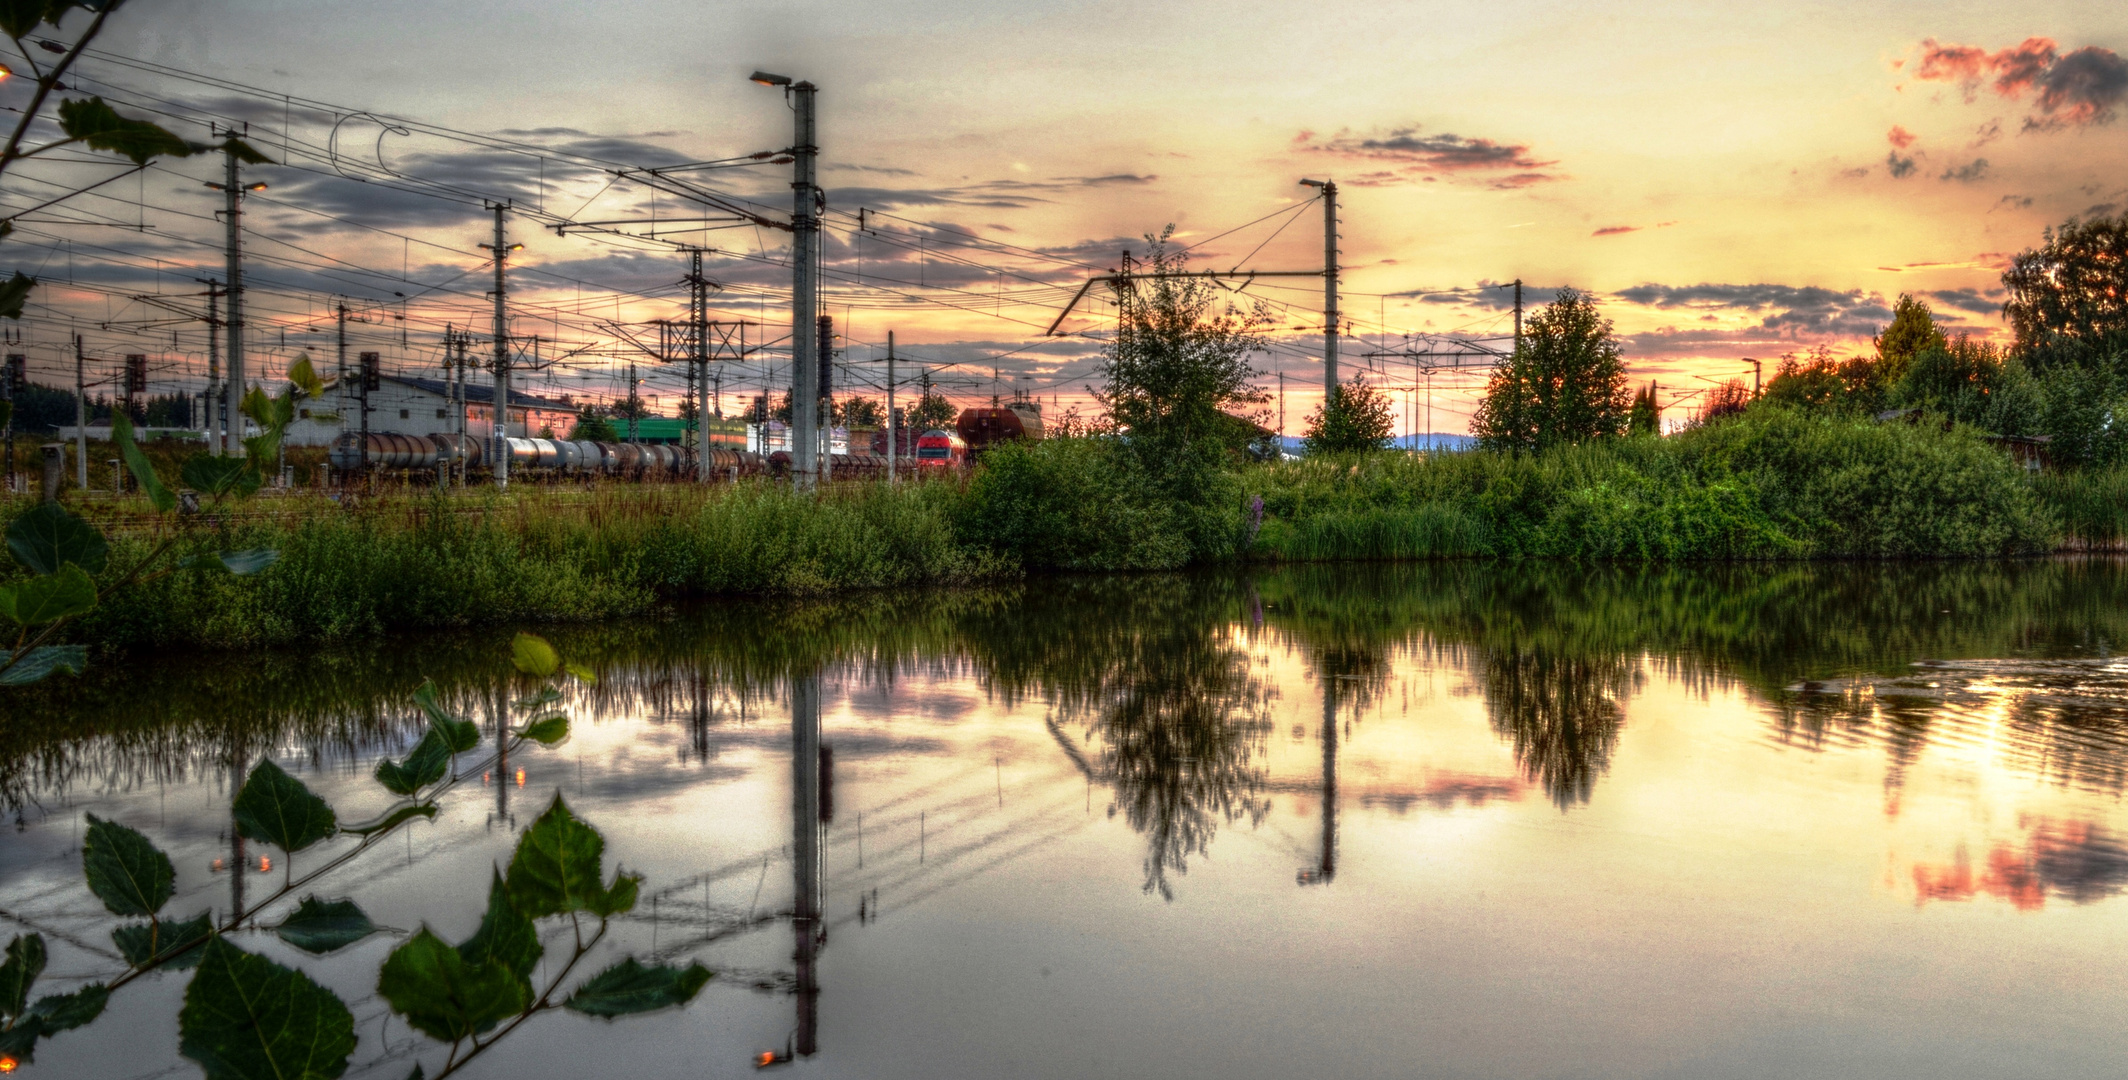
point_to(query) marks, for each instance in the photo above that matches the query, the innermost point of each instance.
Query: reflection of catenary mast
(1326, 868)
(806, 853)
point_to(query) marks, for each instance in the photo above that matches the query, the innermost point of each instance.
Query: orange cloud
(1902, 138)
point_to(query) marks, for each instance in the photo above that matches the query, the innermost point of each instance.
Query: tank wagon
(425, 453)
(982, 429)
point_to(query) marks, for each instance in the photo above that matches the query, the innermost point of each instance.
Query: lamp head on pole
(766, 79)
(1311, 183)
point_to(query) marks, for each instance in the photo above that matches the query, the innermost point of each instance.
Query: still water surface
(1450, 820)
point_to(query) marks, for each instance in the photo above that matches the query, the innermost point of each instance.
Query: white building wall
(401, 409)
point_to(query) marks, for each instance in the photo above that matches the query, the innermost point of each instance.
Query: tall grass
(2090, 504)
(533, 555)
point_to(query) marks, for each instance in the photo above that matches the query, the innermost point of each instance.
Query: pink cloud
(2077, 89)
(1902, 138)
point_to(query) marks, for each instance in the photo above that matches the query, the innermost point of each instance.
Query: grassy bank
(1770, 485)
(534, 556)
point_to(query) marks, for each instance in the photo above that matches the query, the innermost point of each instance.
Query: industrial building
(406, 405)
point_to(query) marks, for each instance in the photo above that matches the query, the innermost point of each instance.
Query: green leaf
(47, 537)
(430, 759)
(459, 735)
(628, 987)
(304, 377)
(391, 818)
(319, 927)
(277, 809)
(20, 17)
(20, 1042)
(619, 899)
(15, 292)
(583, 673)
(65, 1012)
(52, 597)
(534, 656)
(546, 696)
(547, 731)
(248, 1018)
(142, 942)
(25, 961)
(443, 996)
(505, 937)
(220, 475)
(556, 868)
(42, 661)
(99, 125)
(162, 498)
(129, 874)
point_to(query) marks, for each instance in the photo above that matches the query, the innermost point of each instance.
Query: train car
(941, 449)
(540, 457)
(984, 428)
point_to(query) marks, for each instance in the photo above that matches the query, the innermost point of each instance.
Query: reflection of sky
(1724, 903)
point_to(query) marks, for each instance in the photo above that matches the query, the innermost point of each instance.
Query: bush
(1074, 504)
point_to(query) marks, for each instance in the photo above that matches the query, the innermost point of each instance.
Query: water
(1451, 820)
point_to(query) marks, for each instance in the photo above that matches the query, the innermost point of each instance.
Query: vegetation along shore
(1932, 447)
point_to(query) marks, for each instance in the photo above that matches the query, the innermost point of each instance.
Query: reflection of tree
(1562, 713)
(1171, 712)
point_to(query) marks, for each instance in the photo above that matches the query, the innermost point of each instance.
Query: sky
(1729, 181)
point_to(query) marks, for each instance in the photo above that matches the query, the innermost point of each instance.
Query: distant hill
(1440, 440)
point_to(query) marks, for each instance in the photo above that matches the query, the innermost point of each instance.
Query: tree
(1354, 419)
(1646, 417)
(592, 427)
(1912, 331)
(1565, 383)
(1727, 399)
(932, 411)
(2069, 297)
(860, 412)
(1823, 381)
(1179, 363)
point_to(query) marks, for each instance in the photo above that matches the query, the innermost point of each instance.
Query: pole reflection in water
(1327, 867)
(806, 854)
(236, 841)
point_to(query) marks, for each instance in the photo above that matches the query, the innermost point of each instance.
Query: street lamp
(766, 79)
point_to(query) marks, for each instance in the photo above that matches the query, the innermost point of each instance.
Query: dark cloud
(1968, 173)
(1973, 300)
(2083, 88)
(987, 194)
(2078, 89)
(1615, 230)
(1793, 314)
(1900, 167)
(1411, 156)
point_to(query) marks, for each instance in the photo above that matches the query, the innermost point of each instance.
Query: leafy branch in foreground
(64, 552)
(247, 1017)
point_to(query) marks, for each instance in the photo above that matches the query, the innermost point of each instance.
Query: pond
(1455, 820)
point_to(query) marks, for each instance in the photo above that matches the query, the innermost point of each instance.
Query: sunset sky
(1733, 180)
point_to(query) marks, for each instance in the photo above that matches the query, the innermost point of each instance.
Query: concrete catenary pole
(893, 447)
(700, 362)
(233, 287)
(1330, 314)
(81, 417)
(805, 242)
(499, 421)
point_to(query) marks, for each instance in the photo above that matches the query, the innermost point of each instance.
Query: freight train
(563, 457)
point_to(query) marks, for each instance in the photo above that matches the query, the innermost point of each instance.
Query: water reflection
(1364, 728)
(1157, 689)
